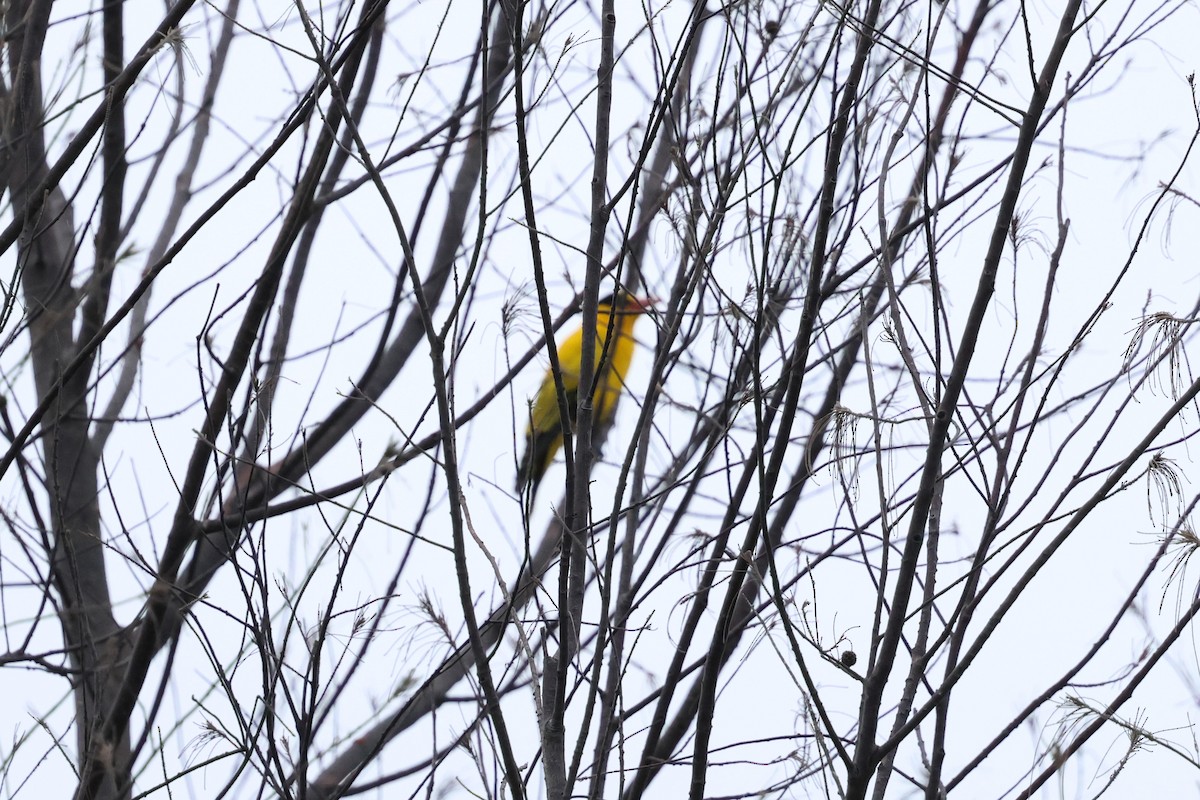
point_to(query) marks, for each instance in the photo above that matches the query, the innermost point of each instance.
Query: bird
(616, 316)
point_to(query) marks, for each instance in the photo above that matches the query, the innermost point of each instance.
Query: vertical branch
(794, 373)
(45, 257)
(573, 562)
(866, 755)
(156, 624)
(112, 195)
(184, 180)
(613, 625)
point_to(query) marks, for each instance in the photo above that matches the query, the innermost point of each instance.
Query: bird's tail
(539, 454)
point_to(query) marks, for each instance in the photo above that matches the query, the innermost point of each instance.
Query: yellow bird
(544, 436)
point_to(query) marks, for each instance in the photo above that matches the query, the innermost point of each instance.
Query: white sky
(1141, 106)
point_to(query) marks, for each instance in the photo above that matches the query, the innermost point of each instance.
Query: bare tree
(281, 279)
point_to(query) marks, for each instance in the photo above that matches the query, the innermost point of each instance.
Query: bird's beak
(641, 305)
